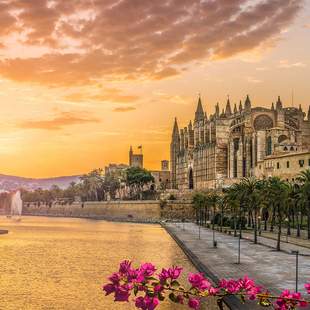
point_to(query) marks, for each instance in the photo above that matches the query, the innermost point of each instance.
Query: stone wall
(133, 211)
(177, 210)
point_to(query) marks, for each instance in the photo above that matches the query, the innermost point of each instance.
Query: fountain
(16, 204)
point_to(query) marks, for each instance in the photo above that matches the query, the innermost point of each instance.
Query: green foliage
(136, 176)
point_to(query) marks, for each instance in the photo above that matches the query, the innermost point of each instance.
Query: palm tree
(252, 196)
(304, 180)
(213, 200)
(278, 191)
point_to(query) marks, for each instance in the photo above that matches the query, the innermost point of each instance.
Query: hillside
(8, 182)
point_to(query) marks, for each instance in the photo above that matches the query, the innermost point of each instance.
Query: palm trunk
(255, 226)
(222, 215)
(279, 230)
(308, 221)
(273, 219)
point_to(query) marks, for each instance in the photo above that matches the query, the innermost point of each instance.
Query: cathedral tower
(174, 149)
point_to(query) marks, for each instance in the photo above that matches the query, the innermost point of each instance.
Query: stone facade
(285, 166)
(217, 150)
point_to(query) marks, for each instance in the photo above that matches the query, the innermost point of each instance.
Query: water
(61, 263)
(16, 204)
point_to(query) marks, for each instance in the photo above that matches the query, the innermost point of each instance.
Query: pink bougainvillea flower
(197, 280)
(194, 303)
(146, 303)
(307, 287)
(174, 272)
(125, 266)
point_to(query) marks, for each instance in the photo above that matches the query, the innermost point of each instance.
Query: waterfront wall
(133, 211)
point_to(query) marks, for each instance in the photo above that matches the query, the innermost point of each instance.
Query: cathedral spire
(272, 106)
(199, 114)
(235, 108)
(279, 104)
(217, 110)
(247, 103)
(300, 108)
(240, 106)
(175, 132)
(228, 108)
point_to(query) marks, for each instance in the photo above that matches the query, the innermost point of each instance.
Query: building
(219, 149)
(135, 160)
(116, 170)
(285, 166)
(165, 165)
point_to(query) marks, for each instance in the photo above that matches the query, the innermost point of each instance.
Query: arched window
(269, 146)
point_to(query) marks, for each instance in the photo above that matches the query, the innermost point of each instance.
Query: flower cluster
(149, 287)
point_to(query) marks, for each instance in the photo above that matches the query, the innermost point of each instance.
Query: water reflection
(61, 263)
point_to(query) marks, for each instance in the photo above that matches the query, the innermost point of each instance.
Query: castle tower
(135, 160)
(174, 150)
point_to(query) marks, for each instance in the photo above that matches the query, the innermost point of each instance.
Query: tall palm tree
(278, 191)
(252, 194)
(304, 180)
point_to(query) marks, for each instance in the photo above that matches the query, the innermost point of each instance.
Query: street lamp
(287, 223)
(296, 277)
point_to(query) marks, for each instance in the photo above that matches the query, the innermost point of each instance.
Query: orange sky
(81, 80)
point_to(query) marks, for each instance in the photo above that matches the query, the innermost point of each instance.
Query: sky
(82, 80)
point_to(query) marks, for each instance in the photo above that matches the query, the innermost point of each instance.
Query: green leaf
(175, 283)
(172, 297)
(135, 290)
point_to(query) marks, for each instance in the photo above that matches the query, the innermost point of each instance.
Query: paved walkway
(270, 268)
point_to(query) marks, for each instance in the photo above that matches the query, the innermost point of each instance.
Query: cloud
(59, 121)
(285, 64)
(124, 109)
(93, 40)
(253, 80)
(109, 95)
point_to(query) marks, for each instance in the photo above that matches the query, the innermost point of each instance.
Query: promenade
(270, 268)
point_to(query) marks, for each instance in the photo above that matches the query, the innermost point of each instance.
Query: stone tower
(174, 149)
(135, 160)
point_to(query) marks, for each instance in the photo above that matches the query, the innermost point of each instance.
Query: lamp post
(296, 264)
(259, 225)
(287, 223)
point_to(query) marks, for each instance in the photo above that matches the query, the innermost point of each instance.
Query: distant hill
(9, 182)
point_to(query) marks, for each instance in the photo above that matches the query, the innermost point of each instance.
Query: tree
(200, 205)
(252, 195)
(304, 181)
(136, 178)
(93, 184)
(278, 191)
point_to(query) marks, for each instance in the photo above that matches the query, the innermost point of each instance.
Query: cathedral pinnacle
(247, 103)
(235, 108)
(240, 106)
(228, 108)
(279, 104)
(272, 106)
(217, 110)
(199, 115)
(175, 132)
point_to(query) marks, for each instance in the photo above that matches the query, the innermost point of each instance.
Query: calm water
(61, 263)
